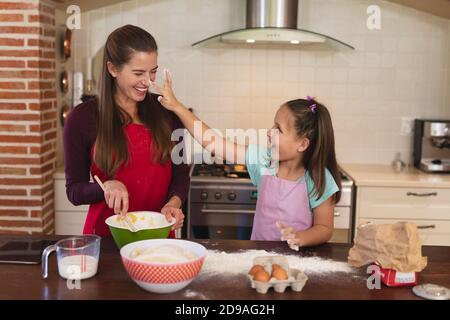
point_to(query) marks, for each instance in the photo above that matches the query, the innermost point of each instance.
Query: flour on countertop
(192, 294)
(220, 262)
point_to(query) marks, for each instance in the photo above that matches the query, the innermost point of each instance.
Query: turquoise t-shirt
(257, 160)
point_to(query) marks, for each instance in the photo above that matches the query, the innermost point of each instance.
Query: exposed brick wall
(28, 115)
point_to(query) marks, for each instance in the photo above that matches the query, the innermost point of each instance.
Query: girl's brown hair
(111, 150)
(313, 121)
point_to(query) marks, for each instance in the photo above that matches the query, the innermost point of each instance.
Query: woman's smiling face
(133, 78)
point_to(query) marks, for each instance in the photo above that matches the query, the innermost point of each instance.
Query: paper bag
(393, 246)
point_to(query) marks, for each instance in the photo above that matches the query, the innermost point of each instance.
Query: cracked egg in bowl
(149, 225)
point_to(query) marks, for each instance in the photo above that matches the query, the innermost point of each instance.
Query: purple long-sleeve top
(79, 136)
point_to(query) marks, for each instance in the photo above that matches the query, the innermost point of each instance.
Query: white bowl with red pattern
(163, 277)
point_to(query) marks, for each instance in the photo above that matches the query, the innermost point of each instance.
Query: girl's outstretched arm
(208, 138)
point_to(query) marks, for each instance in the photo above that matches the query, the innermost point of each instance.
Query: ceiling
(439, 8)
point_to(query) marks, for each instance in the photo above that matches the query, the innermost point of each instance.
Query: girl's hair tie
(312, 107)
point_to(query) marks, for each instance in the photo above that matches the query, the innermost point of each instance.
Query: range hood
(273, 22)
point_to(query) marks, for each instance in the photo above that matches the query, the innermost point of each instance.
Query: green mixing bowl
(149, 225)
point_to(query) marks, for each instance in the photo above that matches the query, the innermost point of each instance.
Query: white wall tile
(401, 70)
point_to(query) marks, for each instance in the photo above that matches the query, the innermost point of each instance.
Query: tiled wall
(399, 71)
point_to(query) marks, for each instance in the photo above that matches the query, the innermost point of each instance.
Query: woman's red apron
(147, 182)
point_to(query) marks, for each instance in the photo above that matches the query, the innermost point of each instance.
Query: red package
(393, 278)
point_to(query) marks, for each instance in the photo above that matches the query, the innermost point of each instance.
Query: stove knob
(218, 195)
(204, 195)
(232, 196)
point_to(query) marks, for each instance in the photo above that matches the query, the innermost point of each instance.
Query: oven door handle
(227, 211)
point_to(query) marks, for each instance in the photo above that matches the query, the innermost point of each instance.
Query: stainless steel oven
(222, 204)
(221, 210)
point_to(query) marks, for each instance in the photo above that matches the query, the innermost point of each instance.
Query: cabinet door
(61, 201)
(342, 217)
(69, 222)
(432, 232)
(403, 203)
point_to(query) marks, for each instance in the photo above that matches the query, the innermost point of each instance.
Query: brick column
(27, 116)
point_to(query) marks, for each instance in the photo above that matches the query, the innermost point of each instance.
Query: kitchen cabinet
(69, 219)
(386, 196)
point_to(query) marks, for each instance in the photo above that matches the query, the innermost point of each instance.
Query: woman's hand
(116, 196)
(167, 98)
(173, 212)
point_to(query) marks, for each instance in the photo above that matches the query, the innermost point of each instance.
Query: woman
(124, 137)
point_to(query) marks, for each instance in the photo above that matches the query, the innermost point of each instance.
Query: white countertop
(374, 175)
(385, 176)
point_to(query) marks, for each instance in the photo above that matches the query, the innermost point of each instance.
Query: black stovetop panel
(231, 171)
(220, 170)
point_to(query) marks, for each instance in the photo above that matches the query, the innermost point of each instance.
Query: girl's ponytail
(313, 121)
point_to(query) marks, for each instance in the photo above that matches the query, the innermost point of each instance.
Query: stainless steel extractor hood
(273, 22)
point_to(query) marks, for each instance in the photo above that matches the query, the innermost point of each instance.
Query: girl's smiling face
(133, 78)
(290, 146)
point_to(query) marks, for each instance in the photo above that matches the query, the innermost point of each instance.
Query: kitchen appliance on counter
(222, 204)
(432, 145)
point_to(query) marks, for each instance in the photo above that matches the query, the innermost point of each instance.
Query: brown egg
(255, 269)
(279, 273)
(262, 275)
(276, 266)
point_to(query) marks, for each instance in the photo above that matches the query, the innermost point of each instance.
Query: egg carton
(296, 278)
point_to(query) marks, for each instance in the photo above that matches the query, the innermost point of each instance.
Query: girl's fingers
(166, 78)
(169, 78)
(162, 100)
(287, 231)
(157, 87)
(287, 237)
(292, 242)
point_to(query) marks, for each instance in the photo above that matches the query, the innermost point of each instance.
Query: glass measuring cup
(77, 257)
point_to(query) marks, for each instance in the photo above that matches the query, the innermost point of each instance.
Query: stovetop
(228, 171)
(231, 172)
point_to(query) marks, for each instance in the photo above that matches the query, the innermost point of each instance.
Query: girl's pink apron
(280, 200)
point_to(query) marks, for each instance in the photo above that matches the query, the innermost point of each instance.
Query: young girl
(295, 202)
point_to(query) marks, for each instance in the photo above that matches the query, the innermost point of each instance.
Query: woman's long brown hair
(111, 151)
(315, 124)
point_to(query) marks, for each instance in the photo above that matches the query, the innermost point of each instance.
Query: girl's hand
(116, 196)
(173, 212)
(167, 98)
(289, 235)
